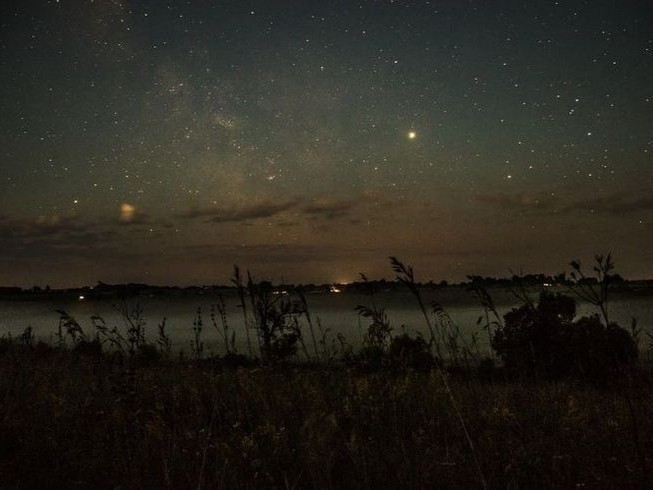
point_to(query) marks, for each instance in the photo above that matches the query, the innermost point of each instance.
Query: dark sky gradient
(163, 142)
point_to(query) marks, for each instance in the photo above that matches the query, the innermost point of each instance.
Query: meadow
(81, 421)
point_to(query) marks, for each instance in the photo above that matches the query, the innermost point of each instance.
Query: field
(88, 420)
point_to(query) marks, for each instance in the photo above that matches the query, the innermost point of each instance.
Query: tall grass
(406, 276)
(219, 310)
(594, 290)
(237, 281)
(67, 420)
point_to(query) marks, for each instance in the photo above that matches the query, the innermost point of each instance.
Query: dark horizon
(529, 280)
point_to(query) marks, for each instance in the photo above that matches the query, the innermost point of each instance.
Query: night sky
(165, 141)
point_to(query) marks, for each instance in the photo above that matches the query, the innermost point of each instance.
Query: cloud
(329, 209)
(260, 252)
(319, 208)
(543, 203)
(536, 203)
(44, 225)
(615, 203)
(71, 234)
(51, 235)
(263, 209)
(324, 208)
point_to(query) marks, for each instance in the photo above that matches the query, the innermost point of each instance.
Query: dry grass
(69, 420)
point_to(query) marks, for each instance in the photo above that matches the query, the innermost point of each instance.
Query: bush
(545, 340)
(368, 357)
(89, 348)
(148, 354)
(601, 350)
(402, 352)
(409, 352)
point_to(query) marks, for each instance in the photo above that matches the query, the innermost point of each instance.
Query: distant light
(127, 212)
(334, 289)
(81, 297)
(412, 135)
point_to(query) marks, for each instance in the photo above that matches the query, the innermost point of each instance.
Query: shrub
(371, 357)
(276, 319)
(544, 339)
(410, 352)
(88, 348)
(148, 354)
(600, 350)
(401, 352)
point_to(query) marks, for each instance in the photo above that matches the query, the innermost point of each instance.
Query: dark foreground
(69, 420)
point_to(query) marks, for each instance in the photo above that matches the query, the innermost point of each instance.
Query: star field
(165, 141)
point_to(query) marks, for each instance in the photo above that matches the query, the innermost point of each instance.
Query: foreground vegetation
(565, 402)
(74, 420)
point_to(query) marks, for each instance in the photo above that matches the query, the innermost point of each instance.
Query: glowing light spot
(412, 135)
(127, 212)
